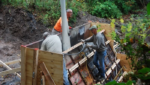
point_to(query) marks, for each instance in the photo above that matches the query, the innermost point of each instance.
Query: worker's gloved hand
(88, 45)
(82, 40)
(70, 27)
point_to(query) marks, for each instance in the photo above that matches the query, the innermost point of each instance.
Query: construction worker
(100, 47)
(58, 26)
(52, 43)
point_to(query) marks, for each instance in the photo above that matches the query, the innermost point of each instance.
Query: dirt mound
(84, 17)
(21, 24)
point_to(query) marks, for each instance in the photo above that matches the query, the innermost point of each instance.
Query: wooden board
(54, 64)
(27, 59)
(10, 71)
(23, 65)
(126, 63)
(29, 66)
(12, 62)
(47, 74)
(86, 74)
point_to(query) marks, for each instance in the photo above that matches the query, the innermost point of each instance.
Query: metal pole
(65, 27)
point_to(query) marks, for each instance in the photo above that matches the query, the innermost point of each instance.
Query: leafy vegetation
(133, 42)
(49, 9)
(148, 8)
(115, 83)
(106, 9)
(125, 6)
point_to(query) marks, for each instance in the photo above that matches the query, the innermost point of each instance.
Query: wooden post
(43, 78)
(23, 65)
(35, 65)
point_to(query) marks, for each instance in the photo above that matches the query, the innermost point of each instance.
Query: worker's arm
(61, 25)
(43, 46)
(89, 39)
(98, 43)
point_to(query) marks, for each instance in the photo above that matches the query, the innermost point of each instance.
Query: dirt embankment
(17, 27)
(84, 17)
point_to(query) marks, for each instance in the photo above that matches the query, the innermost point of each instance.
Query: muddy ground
(17, 27)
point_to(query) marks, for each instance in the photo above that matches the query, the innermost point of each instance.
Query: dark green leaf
(144, 70)
(111, 83)
(129, 83)
(148, 8)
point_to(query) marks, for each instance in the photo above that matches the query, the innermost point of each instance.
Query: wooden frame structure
(32, 57)
(31, 66)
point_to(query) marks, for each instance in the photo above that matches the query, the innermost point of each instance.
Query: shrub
(76, 6)
(125, 5)
(134, 42)
(106, 9)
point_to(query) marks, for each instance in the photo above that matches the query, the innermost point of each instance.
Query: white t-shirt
(52, 43)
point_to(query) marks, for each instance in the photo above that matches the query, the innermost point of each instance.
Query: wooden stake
(35, 65)
(23, 65)
(9, 68)
(10, 71)
(12, 62)
(43, 78)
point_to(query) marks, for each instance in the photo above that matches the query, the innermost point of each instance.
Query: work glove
(88, 45)
(70, 27)
(82, 40)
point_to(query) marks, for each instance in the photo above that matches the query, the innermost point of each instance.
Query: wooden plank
(118, 73)
(23, 65)
(10, 71)
(120, 79)
(47, 74)
(54, 64)
(12, 62)
(35, 65)
(43, 79)
(9, 68)
(77, 45)
(112, 67)
(29, 66)
(84, 59)
(115, 46)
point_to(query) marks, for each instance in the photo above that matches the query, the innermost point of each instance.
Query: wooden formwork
(31, 58)
(30, 66)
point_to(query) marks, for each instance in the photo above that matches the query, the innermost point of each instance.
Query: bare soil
(17, 27)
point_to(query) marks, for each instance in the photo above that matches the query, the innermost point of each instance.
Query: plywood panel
(124, 62)
(54, 64)
(29, 65)
(23, 65)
